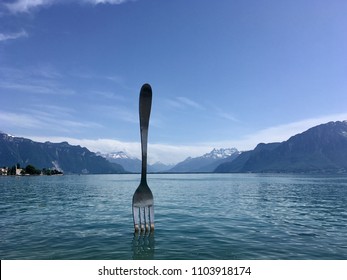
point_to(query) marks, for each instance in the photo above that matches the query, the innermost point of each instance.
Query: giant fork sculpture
(143, 211)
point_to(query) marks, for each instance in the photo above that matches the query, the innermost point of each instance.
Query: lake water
(198, 216)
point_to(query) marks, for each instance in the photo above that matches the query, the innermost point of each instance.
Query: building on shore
(3, 171)
(18, 171)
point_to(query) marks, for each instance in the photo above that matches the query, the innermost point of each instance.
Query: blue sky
(227, 73)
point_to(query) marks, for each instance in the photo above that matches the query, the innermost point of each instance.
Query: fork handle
(144, 112)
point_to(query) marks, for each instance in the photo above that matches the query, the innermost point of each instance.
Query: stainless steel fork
(143, 206)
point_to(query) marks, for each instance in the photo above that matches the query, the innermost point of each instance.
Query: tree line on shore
(29, 170)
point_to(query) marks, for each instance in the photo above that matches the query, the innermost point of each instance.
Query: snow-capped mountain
(320, 149)
(207, 162)
(117, 155)
(129, 163)
(132, 164)
(220, 153)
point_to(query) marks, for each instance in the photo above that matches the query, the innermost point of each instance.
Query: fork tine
(147, 218)
(151, 216)
(136, 214)
(142, 218)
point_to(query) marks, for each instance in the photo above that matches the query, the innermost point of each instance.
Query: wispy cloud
(50, 112)
(61, 117)
(118, 112)
(108, 95)
(116, 2)
(277, 133)
(13, 36)
(226, 116)
(25, 6)
(284, 132)
(189, 102)
(116, 79)
(38, 80)
(48, 118)
(184, 102)
(36, 88)
(19, 120)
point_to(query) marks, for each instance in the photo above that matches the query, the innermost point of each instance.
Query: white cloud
(184, 102)
(285, 131)
(24, 6)
(19, 120)
(226, 116)
(117, 2)
(33, 80)
(189, 102)
(278, 133)
(108, 95)
(47, 118)
(33, 88)
(165, 153)
(13, 36)
(171, 153)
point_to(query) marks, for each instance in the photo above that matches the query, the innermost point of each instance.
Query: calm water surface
(198, 216)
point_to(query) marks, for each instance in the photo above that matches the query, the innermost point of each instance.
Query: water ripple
(198, 216)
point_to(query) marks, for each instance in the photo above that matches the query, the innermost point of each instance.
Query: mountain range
(320, 149)
(61, 156)
(207, 162)
(132, 164)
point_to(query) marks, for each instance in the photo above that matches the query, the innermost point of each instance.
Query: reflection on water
(143, 246)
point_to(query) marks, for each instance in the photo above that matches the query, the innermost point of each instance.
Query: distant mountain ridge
(132, 164)
(61, 156)
(320, 149)
(207, 162)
